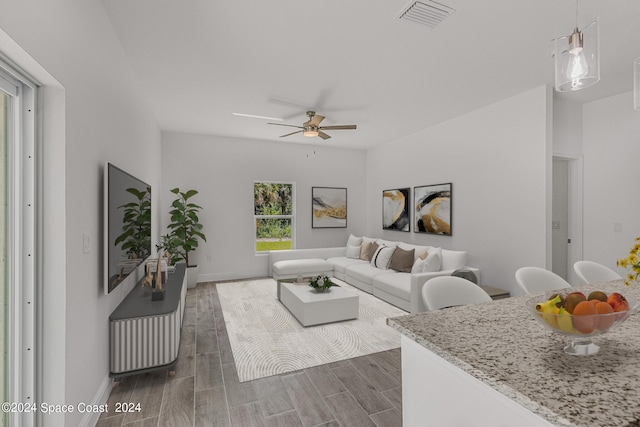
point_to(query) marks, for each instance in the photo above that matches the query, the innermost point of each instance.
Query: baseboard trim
(223, 277)
(90, 419)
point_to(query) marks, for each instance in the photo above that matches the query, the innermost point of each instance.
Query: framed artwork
(328, 207)
(395, 209)
(433, 209)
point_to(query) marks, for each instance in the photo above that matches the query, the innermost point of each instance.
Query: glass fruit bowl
(579, 329)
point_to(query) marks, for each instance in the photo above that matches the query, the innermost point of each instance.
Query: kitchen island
(493, 364)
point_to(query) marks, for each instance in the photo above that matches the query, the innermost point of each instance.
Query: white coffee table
(315, 308)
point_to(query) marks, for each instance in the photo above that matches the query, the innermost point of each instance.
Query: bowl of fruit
(581, 317)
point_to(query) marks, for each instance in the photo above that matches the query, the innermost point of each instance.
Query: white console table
(145, 334)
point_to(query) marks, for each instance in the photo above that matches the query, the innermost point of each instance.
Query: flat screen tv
(127, 229)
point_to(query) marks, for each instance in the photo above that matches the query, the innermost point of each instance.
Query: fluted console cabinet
(145, 334)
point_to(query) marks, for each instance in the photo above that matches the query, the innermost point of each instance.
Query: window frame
(292, 217)
(23, 255)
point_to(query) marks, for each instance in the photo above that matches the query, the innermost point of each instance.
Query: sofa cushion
(382, 257)
(453, 260)
(389, 243)
(365, 272)
(432, 262)
(341, 263)
(353, 251)
(354, 241)
(301, 266)
(398, 284)
(402, 260)
(418, 250)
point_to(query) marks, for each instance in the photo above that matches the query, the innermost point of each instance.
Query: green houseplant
(321, 283)
(185, 228)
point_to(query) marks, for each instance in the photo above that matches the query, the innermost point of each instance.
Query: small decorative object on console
(321, 283)
(158, 291)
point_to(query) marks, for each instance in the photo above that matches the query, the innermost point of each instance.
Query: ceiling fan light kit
(312, 128)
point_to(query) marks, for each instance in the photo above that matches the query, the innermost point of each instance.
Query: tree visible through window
(274, 215)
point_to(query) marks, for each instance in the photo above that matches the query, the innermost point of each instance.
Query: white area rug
(267, 340)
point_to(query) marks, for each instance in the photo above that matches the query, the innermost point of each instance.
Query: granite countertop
(501, 344)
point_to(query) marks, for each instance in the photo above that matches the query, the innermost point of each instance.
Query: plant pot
(192, 276)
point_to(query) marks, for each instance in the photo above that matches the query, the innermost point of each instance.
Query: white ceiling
(354, 61)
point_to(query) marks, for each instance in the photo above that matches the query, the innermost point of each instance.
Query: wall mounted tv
(127, 225)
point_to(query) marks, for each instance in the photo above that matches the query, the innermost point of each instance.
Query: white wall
(567, 128)
(99, 115)
(611, 152)
(498, 160)
(224, 169)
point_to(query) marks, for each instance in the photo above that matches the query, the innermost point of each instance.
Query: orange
(604, 322)
(583, 317)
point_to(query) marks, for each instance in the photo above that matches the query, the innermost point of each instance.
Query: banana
(564, 321)
(550, 309)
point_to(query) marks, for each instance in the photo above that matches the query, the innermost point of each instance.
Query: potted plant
(321, 283)
(167, 248)
(185, 230)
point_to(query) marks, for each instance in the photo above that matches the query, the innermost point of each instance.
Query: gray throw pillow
(402, 260)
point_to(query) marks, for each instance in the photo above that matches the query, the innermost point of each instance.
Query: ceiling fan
(311, 127)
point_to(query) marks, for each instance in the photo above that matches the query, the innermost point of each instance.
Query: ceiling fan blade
(338, 127)
(289, 134)
(282, 124)
(316, 119)
(323, 135)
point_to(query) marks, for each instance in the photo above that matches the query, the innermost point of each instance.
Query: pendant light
(577, 59)
(636, 84)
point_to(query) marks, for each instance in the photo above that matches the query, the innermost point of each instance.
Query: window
(17, 247)
(274, 216)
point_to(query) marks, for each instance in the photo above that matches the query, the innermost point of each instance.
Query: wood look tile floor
(205, 391)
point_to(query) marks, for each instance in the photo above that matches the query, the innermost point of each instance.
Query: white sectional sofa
(400, 288)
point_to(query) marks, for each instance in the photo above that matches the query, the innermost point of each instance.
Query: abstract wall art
(328, 207)
(395, 209)
(433, 209)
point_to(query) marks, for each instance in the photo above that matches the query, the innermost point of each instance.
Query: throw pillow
(354, 241)
(433, 262)
(353, 251)
(402, 260)
(382, 257)
(418, 265)
(373, 247)
(364, 250)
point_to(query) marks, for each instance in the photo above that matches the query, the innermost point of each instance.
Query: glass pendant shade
(577, 59)
(636, 84)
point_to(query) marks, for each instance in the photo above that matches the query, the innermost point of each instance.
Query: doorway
(566, 222)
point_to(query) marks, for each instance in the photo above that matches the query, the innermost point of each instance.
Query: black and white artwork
(329, 207)
(395, 209)
(433, 209)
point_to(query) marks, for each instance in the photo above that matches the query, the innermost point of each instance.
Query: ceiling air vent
(426, 13)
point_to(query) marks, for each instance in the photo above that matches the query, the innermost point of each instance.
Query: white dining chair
(591, 272)
(535, 280)
(450, 291)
